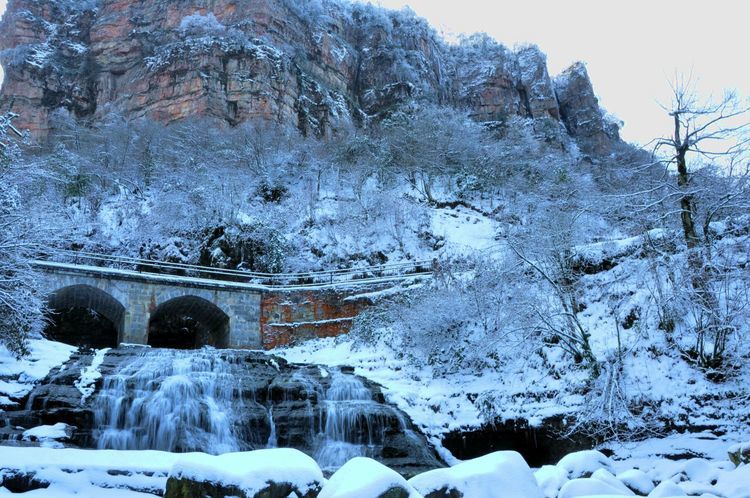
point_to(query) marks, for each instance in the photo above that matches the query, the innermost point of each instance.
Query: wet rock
(220, 401)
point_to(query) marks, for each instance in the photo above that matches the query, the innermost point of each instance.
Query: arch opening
(188, 322)
(82, 315)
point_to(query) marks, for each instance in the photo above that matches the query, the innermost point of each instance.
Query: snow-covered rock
(363, 477)
(271, 473)
(666, 489)
(503, 474)
(585, 463)
(735, 483)
(550, 479)
(49, 434)
(588, 486)
(636, 480)
(607, 478)
(18, 376)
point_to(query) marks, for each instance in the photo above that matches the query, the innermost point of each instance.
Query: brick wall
(287, 317)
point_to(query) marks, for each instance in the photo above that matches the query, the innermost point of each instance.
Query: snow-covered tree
(711, 134)
(21, 304)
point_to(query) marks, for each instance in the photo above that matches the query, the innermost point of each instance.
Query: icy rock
(589, 486)
(585, 463)
(637, 480)
(666, 489)
(740, 453)
(270, 473)
(550, 479)
(503, 474)
(363, 477)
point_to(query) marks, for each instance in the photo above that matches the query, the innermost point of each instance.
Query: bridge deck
(187, 281)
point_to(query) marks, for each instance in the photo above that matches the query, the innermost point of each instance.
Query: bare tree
(705, 133)
(21, 306)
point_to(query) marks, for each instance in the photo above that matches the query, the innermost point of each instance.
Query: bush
(249, 246)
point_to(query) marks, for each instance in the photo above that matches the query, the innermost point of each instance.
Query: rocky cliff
(315, 65)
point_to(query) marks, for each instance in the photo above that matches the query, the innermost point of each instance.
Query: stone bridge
(224, 313)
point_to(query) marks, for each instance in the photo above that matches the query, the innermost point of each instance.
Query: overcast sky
(631, 47)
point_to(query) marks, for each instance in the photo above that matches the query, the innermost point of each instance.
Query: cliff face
(314, 65)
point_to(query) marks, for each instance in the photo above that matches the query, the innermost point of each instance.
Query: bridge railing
(369, 274)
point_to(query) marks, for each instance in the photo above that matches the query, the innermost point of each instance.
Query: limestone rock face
(317, 66)
(579, 109)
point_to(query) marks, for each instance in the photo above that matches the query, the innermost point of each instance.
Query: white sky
(631, 47)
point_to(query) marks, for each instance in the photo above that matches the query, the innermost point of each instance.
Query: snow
(86, 383)
(251, 471)
(18, 376)
(637, 480)
(465, 231)
(550, 479)
(363, 477)
(584, 463)
(86, 472)
(503, 474)
(577, 488)
(666, 489)
(48, 434)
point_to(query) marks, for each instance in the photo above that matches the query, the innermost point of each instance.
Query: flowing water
(169, 400)
(217, 401)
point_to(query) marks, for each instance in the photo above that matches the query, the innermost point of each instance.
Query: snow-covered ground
(645, 469)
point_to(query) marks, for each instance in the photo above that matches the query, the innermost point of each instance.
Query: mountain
(316, 65)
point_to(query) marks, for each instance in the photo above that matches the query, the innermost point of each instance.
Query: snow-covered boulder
(585, 463)
(550, 479)
(588, 486)
(271, 473)
(667, 489)
(363, 477)
(735, 483)
(607, 478)
(49, 435)
(503, 474)
(636, 480)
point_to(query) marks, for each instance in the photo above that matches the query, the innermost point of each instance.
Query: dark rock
(187, 488)
(580, 111)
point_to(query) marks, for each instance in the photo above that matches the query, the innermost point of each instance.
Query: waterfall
(169, 400)
(218, 401)
(355, 424)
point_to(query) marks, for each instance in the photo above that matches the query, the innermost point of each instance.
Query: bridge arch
(76, 316)
(188, 322)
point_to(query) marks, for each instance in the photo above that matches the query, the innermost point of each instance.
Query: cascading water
(169, 400)
(355, 424)
(217, 401)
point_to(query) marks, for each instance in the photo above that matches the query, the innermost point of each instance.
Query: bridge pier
(135, 328)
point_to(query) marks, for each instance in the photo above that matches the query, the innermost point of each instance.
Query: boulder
(585, 463)
(363, 477)
(271, 473)
(503, 474)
